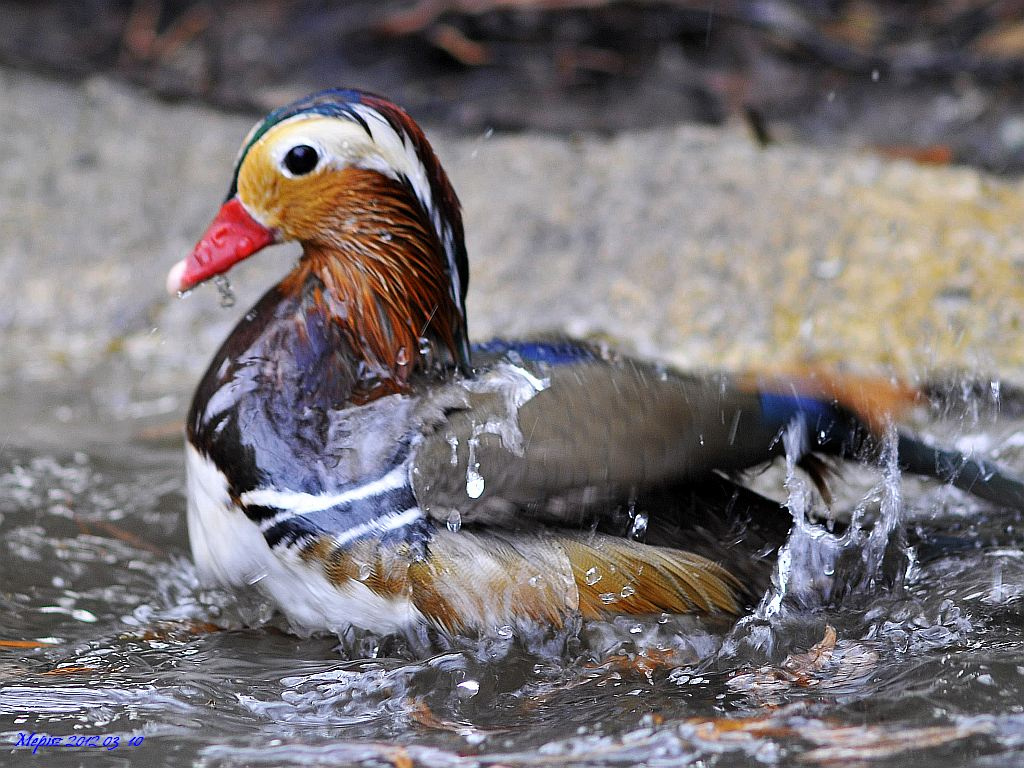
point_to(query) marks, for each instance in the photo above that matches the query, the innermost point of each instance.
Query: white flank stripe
(298, 503)
(229, 550)
(380, 525)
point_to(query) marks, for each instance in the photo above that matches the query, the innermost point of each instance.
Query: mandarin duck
(351, 456)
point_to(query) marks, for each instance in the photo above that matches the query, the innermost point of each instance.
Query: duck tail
(978, 477)
(846, 416)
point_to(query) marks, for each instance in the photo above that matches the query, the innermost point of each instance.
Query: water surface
(884, 647)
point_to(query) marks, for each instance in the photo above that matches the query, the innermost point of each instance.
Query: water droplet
(183, 294)
(663, 619)
(385, 236)
(474, 480)
(227, 296)
(592, 576)
(402, 356)
(486, 135)
(636, 629)
(875, 75)
(638, 527)
(608, 597)
(467, 689)
(365, 571)
(454, 521)
(505, 631)
(453, 441)
(627, 591)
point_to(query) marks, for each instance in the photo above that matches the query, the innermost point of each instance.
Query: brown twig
(452, 41)
(141, 42)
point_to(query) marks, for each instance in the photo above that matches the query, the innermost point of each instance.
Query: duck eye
(301, 160)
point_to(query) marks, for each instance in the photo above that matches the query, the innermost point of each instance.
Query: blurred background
(774, 184)
(936, 81)
(770, 183)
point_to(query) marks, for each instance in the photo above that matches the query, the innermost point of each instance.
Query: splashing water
(474, 480)
(227, 294)
(454, 521)
(516, 386)
(818, 569)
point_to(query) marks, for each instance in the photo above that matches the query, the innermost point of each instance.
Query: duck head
(352, 178)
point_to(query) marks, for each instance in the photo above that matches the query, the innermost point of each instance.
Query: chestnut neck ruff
(383, 284)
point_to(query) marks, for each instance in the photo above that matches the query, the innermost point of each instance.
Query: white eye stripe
(400, 153)
(345, 143)
(405, 161)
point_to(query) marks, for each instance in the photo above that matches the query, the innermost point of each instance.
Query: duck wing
(564, 435)
(592, 435)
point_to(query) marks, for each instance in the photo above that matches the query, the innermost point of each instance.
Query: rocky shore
(691, 244)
